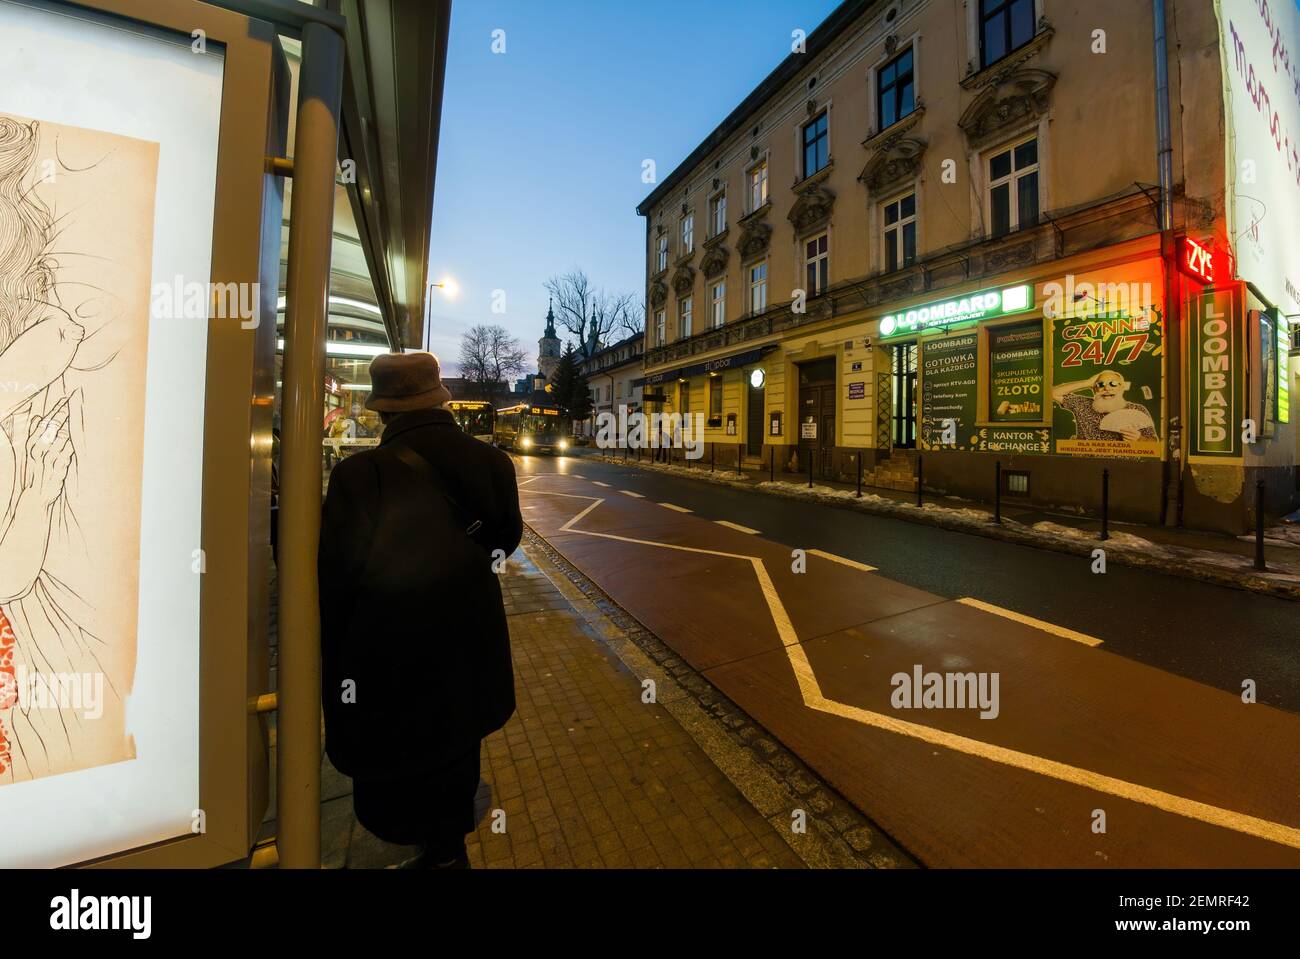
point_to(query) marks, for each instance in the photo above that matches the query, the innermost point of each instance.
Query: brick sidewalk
(586, 773)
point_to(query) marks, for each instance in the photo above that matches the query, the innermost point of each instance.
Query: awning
(715, 365)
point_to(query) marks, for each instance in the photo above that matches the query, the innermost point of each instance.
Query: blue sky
(539, 165)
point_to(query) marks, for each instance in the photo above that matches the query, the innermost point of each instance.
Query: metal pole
(920, 475)
(1259, 526)
(298, 722)
(740, 459)
(771, 464)
(1105, 504)
(713, 455)
(810, 467)
(859, 494)
(997, 492)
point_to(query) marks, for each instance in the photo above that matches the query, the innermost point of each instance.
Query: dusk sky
(539, 166)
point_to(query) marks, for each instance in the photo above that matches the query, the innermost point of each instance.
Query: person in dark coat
(415, 651)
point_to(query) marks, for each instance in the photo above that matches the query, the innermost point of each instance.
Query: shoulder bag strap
(421, 465)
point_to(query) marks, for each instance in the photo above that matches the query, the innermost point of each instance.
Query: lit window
(1013, 188)
(718, 214)
(757, 186)
(817, 265)
(900, 232)
(758, 288)
(715, 396)
(719, 298)
(684, 308)
(895, 91)
(816, 145)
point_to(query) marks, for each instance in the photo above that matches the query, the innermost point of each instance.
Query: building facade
(939, 234)
(612, 374)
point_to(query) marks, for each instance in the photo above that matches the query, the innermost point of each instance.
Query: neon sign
(1195, 259)
(958, 312)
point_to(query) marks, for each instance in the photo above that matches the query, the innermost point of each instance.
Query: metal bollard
(1105, 504)
(771, 464)
(859, 493)
(997, 492)
(810, 467)
(920, 476)
(740, 459)
(713, 455)
(1259, 526)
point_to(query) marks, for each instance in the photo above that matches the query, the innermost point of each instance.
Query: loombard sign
(1261, 65)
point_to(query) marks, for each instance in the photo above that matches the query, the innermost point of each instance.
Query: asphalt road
(1214, 635)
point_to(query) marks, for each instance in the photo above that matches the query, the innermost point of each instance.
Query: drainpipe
(1171, 500)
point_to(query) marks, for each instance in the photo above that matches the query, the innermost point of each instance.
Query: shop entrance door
(903, 364)
(817, 414)
(754, 420)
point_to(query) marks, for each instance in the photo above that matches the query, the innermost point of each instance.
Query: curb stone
(1009, 532)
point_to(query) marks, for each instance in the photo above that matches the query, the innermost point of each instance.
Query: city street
(1117, 734)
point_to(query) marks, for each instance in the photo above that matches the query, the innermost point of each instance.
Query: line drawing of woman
(45, 626)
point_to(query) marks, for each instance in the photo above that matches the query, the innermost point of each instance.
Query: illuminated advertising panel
(958, 311)
(1260, 50)
(108, 151)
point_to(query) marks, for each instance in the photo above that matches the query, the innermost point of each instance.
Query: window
(895, 91)
(817, 265)
(718, 214)
(719, 297)
(757, 186)
(688, 233)
(684, 398)
(758, 288)
(816, 145)
(900, 232)
(715, 396)
(661, 328)
(1005, 25)
(661, 254)
(684, 307)
(1013, 188)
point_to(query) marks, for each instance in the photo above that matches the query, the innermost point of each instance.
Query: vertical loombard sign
(1217, 376)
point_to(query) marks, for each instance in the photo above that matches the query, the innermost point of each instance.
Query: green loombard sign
(1217, 350)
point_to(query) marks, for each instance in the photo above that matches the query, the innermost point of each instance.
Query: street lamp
(449, 287)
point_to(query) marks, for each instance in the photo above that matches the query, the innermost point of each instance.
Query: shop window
(895, 90)
(1005, 26)
(1013, 373)
(816, 144)
(684, 398)
(1013, 187)
(715, 396)
(900, 233)
(817, 262)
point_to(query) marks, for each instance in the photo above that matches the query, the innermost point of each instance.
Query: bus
(531, 428)
(475, 417)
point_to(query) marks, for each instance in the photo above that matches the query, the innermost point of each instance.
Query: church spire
(550, 320)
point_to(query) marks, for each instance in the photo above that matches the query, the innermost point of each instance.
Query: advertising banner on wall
(1260, 50)
(1107, 357)
(948, 391)
(1216, 353)
(1016, 373)
(108, 144)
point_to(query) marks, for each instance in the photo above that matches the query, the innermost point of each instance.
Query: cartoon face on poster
(1107, 354)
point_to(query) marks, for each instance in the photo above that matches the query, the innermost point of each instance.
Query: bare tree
(490, 356)
(591, 314)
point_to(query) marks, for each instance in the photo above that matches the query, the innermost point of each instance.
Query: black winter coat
(415, 650)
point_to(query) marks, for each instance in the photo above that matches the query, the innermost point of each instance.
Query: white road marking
(842, 560)
(599, 483)
(680, 509)
(810, 690)
(628, 492)
(736, 526)
(1030, 621)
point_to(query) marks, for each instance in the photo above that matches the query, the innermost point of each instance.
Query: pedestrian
(416, 666)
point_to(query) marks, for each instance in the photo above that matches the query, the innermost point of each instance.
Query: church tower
(548, 347)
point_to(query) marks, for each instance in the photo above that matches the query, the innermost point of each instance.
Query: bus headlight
(562, 445)
(526, 442)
